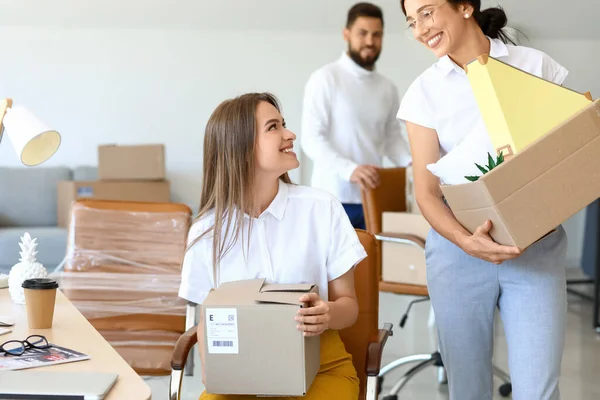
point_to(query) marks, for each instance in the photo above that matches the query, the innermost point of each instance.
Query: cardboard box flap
(305, 288)
(284, 293)
(235, 293)
(478, 196)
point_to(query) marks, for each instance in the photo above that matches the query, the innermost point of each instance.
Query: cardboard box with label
(403, 263)
(251, 344)
(131, 162)
(69, 191)
(551, 176)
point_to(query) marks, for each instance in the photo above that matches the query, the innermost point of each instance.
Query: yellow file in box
(518, 107)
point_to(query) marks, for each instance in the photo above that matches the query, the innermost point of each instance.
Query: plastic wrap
(106, 294)
(146, 357)
(126, 241)
(122, 272)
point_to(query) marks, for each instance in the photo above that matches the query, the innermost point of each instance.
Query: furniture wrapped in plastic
(122, 272)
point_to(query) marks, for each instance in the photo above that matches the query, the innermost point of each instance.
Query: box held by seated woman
(251, 343)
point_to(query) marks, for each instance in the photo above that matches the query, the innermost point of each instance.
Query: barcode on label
(222, 343)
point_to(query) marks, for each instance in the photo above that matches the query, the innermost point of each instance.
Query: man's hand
(367, 176)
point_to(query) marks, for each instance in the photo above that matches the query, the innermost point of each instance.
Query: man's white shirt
(349, 119)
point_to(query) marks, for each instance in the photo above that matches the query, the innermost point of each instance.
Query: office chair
(364, 340)
(122, 272)
(391, 195)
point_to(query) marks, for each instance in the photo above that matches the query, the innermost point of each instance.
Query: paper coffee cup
(40, 297)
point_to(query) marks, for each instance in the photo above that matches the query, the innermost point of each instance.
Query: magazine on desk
(33, 358)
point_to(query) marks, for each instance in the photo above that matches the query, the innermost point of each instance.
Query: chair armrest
(402, 238)
(375, 350)
(183, 347)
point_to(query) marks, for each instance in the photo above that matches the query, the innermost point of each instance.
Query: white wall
(159, 86)
(148, 86)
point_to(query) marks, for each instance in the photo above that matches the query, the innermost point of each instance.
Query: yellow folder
(518, 107)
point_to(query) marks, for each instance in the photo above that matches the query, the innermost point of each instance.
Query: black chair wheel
(505, 390)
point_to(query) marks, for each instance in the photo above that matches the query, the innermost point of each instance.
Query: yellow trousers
(336, 379)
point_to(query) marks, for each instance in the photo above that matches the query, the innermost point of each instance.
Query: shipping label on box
(251, 343)
(85, 192)
(131, 162)
(222, 331)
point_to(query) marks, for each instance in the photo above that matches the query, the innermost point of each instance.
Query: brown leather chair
(122, 271)
(390, 195)
(364, 340)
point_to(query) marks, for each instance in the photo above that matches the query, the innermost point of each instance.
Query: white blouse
(304, 236)
(441, 97)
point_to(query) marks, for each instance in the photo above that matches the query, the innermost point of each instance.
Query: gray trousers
(530, 294)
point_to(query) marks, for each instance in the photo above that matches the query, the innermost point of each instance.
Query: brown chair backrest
(365, 330)
(390, 195)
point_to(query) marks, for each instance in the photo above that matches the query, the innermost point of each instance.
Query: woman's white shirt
(441, 98)
(304, 236)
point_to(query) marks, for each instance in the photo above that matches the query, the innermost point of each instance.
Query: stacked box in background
(404, 263)
(125, 173)
(131, 163)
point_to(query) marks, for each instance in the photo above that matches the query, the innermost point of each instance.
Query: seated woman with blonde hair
(253, 223)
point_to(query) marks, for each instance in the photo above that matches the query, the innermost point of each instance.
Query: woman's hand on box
(481, 245)
(314, 319)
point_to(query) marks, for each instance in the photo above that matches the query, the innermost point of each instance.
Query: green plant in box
(491, 165)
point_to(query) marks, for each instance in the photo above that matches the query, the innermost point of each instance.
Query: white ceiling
(536, 18)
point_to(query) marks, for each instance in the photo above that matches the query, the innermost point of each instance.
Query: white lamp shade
(33, 141)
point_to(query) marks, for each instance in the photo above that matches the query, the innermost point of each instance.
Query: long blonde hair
(229, 162)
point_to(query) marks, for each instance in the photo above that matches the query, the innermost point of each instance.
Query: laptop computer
(55, 385)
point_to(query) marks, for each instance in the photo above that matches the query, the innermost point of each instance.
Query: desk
(70, 329)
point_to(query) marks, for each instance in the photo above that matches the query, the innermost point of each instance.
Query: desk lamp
(33, 141)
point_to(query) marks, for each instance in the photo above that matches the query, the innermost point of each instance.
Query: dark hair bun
(491, 21)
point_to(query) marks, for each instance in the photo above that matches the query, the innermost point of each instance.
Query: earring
(466, 15)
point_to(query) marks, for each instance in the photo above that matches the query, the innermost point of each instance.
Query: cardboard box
(539, 188)
(251, 342)
(69, 191)
(403, 263)
(518, 107)
(132, 162)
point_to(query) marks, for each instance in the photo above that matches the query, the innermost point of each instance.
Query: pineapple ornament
(27, 268)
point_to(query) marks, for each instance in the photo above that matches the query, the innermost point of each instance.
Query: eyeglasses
(18, 347)
(424, 20)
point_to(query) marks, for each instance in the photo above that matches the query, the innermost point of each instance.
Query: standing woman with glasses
(469, 275)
